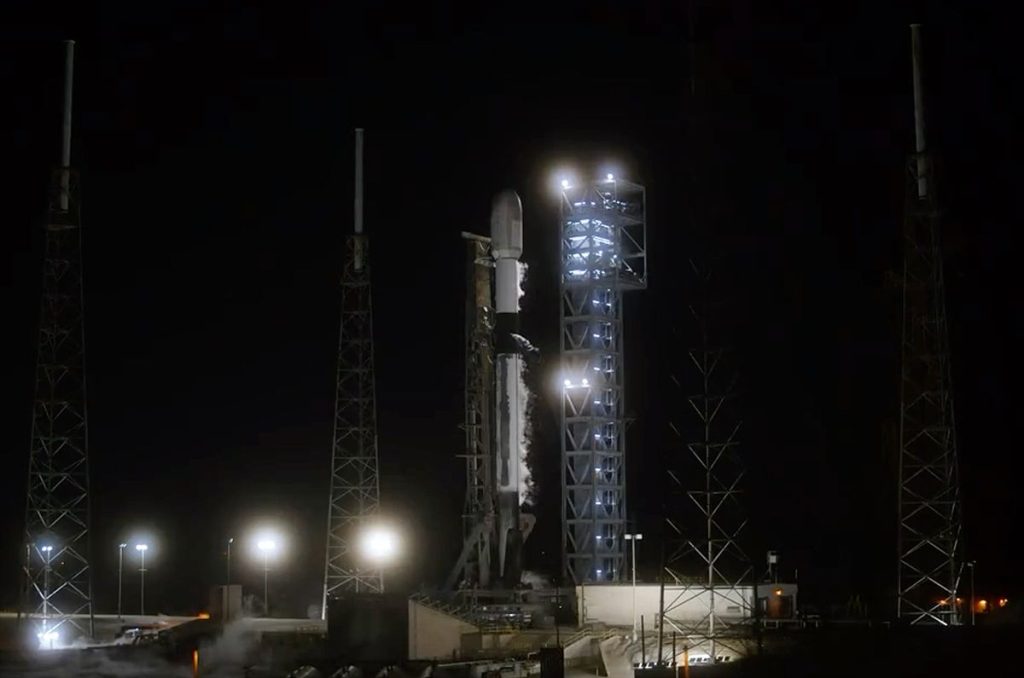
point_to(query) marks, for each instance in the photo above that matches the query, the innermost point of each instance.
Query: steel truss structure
(355, 484)
(473, 569)
(603, 255)
(930, 561)
(59, 585)
(58, 580)
(708, 563)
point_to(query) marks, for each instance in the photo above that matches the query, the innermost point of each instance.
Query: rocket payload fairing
(510, 390)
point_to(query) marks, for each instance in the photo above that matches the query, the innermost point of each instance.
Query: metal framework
(355, 485)
(929, 540)
(473, 569)
(708, 563)
(58, 581)
(603, 254)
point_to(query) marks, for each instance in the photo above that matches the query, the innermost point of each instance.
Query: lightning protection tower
(603, 255)
(355, 485)
(58, 581)
(929, 558)
(706, 566)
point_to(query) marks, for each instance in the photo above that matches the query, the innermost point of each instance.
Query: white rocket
(510, 391)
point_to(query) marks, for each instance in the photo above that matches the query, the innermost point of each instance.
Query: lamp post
(142, 548)
(266, 546)
(120, 575)
(231, 540)
(633, 539)
(970, 564)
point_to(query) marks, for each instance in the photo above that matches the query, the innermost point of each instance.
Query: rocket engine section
(511, 396)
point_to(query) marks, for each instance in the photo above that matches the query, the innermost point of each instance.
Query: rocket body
(510, 390)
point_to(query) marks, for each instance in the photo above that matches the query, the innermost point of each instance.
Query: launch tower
(603, 255)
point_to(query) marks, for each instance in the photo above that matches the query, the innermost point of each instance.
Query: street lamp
(266, 547)
(231, 540)
(970, 564)
(120, 575)
(142, 548)
(633, 539)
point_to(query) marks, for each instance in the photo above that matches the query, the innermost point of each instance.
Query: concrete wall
(612, 604)
(434, 634)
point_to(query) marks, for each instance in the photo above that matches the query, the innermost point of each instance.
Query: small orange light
(203, 615)
(959, 600)
(778, 592)
(982, 605)
(1003, 602)
(195, 662)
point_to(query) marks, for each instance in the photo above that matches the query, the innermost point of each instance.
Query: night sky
(215, 150)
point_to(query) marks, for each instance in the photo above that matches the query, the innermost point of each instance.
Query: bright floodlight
(46, 549)
(565, 183)
(48, 640)
(610, 176)
(266, 545)
(142, 547)
(379, 544)
(567, 383)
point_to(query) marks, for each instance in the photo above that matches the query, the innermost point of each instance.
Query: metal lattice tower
(929, 539)
(706, 561)
(473, 568)
(58, 581)
(603, 254)
(355, 485)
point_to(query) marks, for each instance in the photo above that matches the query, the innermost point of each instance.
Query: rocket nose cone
(507, 225)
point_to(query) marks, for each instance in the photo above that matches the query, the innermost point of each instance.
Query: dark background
(214, 143)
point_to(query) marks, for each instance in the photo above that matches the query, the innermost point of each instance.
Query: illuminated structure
(706, 567)
(603, 255)
(355, 487)
(930, 562)
(58, 581)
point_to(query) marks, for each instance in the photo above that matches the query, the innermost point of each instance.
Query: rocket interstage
(511, 396)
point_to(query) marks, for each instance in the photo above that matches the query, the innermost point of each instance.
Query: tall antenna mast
(58, 591)
(929, 561)
(355, 485)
